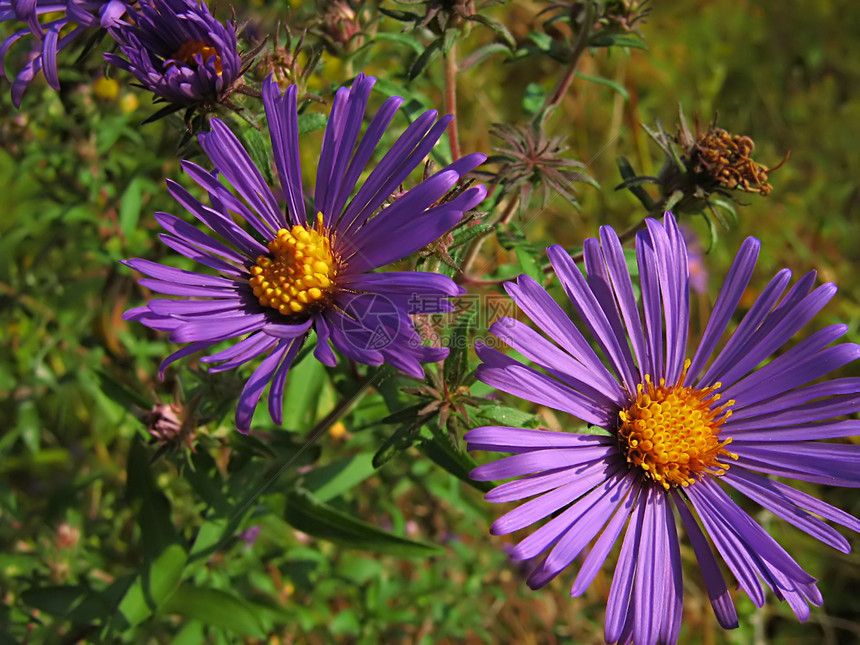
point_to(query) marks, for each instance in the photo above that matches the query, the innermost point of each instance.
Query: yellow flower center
(300, 271)
(189, 49)
(671, 432)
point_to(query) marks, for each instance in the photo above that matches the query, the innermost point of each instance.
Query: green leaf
(459, 344)
(153, 507)
(528, 255)
(533, 99)
(608, 82)
(303, 394)
(403, 438)
(505, 416)
(400, 39)
(57, 600)
(481, 54)
(257, 148)
(309, 515)
(424, 59)
(603, 39)
(216, 608)
(311, 122)
(119, 393)
(155, 586)
(335, 478)
(467, 233)
(629, 175)
(498, 27)
(441, 450)
(130, 206)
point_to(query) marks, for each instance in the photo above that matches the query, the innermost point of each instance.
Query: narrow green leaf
(424, 59)
(444, 454)
(130, 206)
(608, 82)
(58, 600)
(400, 39)
(215, 608)
(403, 438)
(483, 53)
(155, 586)
(335, 478)
(602, 39)
(527, 254)
(306, 513)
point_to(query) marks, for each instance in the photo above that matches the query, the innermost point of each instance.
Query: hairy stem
(450, 58)
(563, 85)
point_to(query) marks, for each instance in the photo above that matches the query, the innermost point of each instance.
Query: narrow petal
(512, 377)
(587, 305)
(715, 583)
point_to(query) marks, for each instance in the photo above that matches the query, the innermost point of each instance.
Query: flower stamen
(671, 432)
(300, 271)
(187, 55)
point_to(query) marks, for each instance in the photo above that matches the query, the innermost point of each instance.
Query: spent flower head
(702, 171)
(290, 271)
(675, 429)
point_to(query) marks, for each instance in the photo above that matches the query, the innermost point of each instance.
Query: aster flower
(286, 275)
(180, 52)
(678, 432)
(68, 19)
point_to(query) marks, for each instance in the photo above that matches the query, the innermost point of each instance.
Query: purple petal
(727, 303)
(618, 606)
(256, 384)
(572, 530)
(508, 375)
(537, 304)
(549, 357)
(761, 490)
(540, 460)
(599, 552)
(582, 481)
(589, 308)
(715, 583)
(276, 391)
(282, 115)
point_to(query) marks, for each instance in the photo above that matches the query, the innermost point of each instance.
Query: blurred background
(93, 501)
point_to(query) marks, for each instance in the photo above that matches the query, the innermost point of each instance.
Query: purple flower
(695, 261)
(674, 430)
(68, 19)
(179, 51)
(285, 274)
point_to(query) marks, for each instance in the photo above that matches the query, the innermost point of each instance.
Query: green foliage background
(103, 540)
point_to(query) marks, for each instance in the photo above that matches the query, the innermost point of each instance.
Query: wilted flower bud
(340, 23)
(170, 425)
(530, 160)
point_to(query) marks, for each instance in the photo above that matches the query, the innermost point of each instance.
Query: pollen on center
(299, 271)
(187, 53)
(671, 432)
